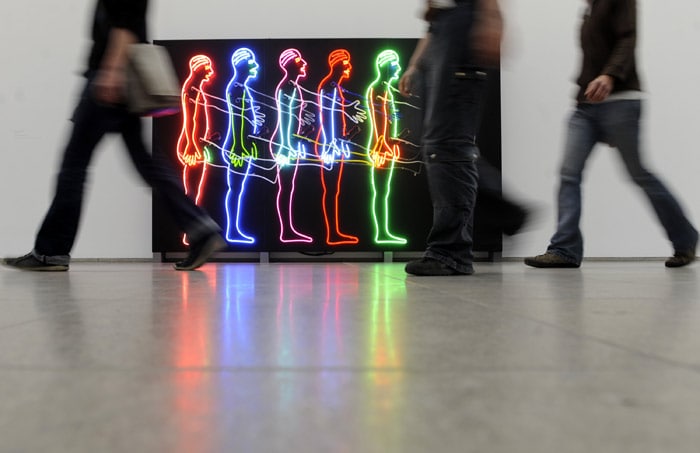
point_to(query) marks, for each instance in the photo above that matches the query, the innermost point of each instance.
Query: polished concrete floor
(350, 357)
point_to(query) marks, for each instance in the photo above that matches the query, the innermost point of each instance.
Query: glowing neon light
(285, 146)
(239, 150)
(195, 128)
(332, 148)
(384, 295)
(382, 148)
(232, 130)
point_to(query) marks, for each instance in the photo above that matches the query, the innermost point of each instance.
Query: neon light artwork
(191, 153)
(286, 146)
(239, 149)
(383, 148)
(332, 146)
(301, 146)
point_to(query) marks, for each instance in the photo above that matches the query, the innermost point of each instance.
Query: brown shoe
(680, 259)
(549, 260)
(432, 267)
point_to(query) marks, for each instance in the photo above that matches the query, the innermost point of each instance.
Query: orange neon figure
(195, 128)
(382, 147)
(332, 147)
(286, 146)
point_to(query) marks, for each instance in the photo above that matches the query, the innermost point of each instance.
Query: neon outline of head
(289, 55)
(199, 61)
(247, 55)
(386, 57)
(340, 56)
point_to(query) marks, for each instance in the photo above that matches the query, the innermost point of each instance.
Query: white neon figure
(286, 146)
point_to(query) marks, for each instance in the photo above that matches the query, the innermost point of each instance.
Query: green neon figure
(383, 148)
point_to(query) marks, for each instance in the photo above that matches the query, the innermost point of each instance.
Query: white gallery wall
(43, 47)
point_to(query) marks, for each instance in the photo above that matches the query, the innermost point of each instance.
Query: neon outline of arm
(281, 131)
(230, 141)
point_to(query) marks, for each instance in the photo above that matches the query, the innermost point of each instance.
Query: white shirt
(442, 3)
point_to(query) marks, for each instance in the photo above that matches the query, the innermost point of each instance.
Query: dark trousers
(453, 107)
(616, 123)
(453, 194)
(91, 121)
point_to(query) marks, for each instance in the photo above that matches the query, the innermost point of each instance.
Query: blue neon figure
(239, 149)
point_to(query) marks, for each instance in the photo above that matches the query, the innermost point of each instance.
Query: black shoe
(430, 267)
(550, 260)
(680, 259)
(200, 252)
(29, 262)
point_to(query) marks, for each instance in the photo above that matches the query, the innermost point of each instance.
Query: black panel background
(411, 208)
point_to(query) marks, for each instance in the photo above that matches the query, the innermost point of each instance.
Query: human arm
(599, 88)
(110, 82)
(382, 113)
(227, 149)
(127, 18)
(408, 79)
(620, 64)
(189, 150)
(285, 121)
(487, 34)
(248, 126)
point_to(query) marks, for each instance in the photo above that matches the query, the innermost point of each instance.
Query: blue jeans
(91, 121)
(617, 124)
(453, 107)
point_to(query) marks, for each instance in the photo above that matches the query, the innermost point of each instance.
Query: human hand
(378, 159)
(600, 88)
(299, 152)
(407, 81)
(357, 113)
(308, 118)
(344, 149)
(395, 152)
(190, 159)
(109, 86)
(282, 159)
(253, 151)
(326, 156)
(259, 117)
(235, 159)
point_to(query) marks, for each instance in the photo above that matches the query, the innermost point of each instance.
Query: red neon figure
(286, 146)
(332, 147)
(195, 128)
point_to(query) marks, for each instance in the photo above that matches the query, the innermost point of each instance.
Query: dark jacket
(128, 14)
(608, 40)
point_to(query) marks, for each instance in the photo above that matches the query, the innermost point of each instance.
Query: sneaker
(680, 259)
(550, 260)
(200, 252)
(29, 262)
(430, 267)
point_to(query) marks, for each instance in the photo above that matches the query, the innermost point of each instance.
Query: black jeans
(453, 108)
(91, 121)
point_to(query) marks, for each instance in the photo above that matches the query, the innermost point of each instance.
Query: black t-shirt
(128, 14)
